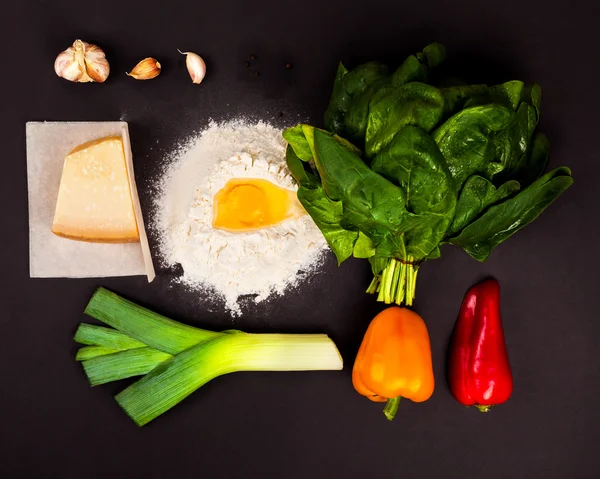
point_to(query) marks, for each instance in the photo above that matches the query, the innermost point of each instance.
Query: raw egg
(246, 204)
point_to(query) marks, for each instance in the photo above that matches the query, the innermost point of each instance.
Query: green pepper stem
(483, 408)
(391, 407)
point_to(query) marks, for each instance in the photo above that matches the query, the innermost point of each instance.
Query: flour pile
(259, 262)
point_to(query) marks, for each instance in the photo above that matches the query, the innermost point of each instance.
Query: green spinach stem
(396, 283)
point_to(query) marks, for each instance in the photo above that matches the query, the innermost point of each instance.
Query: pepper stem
(483, 408)
(391, 407)
(396, 283)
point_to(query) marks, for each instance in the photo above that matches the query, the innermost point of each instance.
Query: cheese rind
(94, 200)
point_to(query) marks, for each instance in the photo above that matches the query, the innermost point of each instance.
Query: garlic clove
(147, 69)
(96, 64)
(82, 62)
(195, 65)
(67, 67)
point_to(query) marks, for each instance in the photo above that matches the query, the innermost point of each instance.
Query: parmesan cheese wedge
(94, 199)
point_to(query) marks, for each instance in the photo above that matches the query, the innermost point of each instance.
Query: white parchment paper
(51, 256)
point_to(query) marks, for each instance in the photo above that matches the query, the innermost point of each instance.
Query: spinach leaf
(299, 170)
(456, 98)
(349, 106)
(414, 103)
(436, 253)
(297, 139)
(513, 142)
(414, 162)
(532, 94)
(510, 95)
(529, 159)
(507, 94)
(477, 194)
(348, 86)
(433, 54)
(371, 203)
(414, 69)
(477, 140)
(364, 247)
(302, 139)
(357, 116)
(326, 213)
(346, 144)
(356, 119)
(501, 221)
(339, 101)
(537, 159)
(378, 264)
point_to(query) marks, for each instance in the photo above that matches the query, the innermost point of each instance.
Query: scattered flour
(260, 262)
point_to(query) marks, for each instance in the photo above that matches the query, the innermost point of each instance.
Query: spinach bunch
(405, 166)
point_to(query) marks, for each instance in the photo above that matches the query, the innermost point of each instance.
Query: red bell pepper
(479, 370)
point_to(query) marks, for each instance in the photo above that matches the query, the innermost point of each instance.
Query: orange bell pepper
(394, 360)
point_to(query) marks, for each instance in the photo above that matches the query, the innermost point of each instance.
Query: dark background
(304, 425)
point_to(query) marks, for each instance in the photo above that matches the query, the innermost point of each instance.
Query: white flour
(260, 262)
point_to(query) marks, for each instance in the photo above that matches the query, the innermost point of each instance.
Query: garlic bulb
(147, 69)
(82, 62)
(195, 65)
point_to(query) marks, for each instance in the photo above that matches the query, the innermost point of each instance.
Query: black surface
(304, 425)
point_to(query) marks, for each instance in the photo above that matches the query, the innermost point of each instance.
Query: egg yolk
(245, 204)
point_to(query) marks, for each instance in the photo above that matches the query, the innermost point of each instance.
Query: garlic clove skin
(195, 65)
(82, 62)
(67, 67)
(96, 64)
(147, 69)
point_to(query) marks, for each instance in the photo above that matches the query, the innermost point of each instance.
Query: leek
(123, 364)
(91, 352)
(174, 380)
(150, 328)
(177, 359)
(93, 335)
